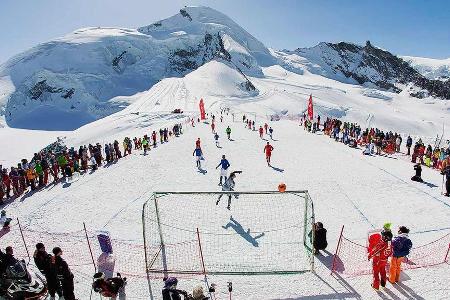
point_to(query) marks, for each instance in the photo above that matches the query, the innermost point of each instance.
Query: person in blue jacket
(198, 156)
(401, 246)
(224, 164)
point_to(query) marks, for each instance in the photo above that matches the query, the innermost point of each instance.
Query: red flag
(310, 108)
(202, 110)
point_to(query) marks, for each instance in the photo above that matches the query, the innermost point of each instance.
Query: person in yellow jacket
(31, 176)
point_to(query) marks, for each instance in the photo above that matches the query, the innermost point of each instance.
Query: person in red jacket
(379, 251)
(266, 126)
(261, 131)
(268, 151)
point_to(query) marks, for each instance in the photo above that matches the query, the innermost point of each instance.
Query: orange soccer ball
(281, 187)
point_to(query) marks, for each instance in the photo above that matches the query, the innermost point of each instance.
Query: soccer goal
(187, 233)
(238, 115)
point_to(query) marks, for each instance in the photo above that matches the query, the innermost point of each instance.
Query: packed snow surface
(347, 188)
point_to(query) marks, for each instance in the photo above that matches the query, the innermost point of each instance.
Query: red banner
(202, 110)
(310, 108)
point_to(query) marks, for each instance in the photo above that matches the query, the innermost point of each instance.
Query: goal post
(265, 232)
(238, 115)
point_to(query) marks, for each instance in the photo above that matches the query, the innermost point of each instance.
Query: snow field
(346, 187)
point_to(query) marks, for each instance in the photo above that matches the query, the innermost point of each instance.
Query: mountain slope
(70, 81)
(365, 65)
(438, 69)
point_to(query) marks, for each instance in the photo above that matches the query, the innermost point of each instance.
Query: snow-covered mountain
(366, 65)
(95, 72)
(70, 81)
(431, 68)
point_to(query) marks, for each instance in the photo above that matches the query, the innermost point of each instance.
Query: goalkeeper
(229, 186)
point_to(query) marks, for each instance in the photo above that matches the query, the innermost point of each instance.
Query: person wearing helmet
(170, 291)
(379, 255)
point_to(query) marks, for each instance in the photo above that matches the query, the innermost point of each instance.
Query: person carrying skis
(228, 186)
(170, 291)
(198, 156)
(401, 245)
(268, 151)
(379, 252)
(224, 164)
(228, 132)
(261, 131)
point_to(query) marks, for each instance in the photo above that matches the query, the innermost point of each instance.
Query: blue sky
(418, 28)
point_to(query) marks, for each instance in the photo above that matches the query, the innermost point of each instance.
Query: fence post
(161, 238)
(145, 251)
(203, 263)
(90, 249)
(23, 239)
(337, 249)
(448, 251)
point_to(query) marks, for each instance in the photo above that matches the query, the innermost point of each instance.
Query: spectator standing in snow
(43, 261)
(408, 145)
(379, 254)
(446, 173)
(401, 246)
(64, 274)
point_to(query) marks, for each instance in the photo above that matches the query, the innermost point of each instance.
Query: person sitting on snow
(320, 237)
(109, 287)
(418, 176)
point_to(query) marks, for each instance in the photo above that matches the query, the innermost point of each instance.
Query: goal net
(238, 116)
(263, 233)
